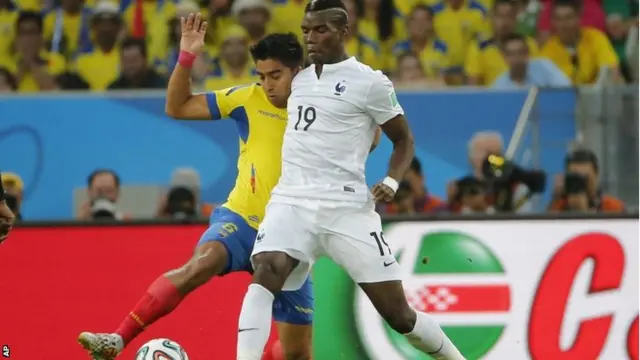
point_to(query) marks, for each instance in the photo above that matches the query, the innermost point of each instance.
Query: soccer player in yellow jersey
(259, 111)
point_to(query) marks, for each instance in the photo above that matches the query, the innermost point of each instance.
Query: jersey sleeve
(222, 102)
(381, 101)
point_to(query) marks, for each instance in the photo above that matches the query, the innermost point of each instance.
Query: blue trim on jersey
(440, 46)
(438, 8)
(239, 114)
(369, 42)
(402, 46)
(212, 103)
(474, 5)
(482, 45)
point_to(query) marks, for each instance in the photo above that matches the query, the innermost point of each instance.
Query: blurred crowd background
(101, 45)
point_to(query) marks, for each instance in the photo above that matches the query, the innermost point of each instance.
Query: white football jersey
(331, 125)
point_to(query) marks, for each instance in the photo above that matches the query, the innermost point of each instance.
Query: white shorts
(350, 234)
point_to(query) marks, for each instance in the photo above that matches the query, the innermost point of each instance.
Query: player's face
(275, 78)
(322, 39)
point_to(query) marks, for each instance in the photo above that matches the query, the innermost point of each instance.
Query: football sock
(254, 325)
(428, 337)
(161, 298)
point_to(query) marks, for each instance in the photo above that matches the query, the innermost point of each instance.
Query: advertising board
(540, 289)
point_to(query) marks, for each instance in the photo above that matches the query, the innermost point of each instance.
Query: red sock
(161, 298)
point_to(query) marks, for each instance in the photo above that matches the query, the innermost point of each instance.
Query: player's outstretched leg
(271, 270)
(419, 328)
(162, 297)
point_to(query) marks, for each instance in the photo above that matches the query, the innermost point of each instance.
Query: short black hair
(29, 16)
(582, 156)
(5, 73)
(416, 166)
(574, 4)
(284, 48)
(340, 19)
(97, 172)
(515, 37)
(140, 43)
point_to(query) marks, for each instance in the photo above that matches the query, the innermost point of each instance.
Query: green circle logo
(455, 278)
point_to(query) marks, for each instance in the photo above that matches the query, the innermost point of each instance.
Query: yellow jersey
(261, 128)
(98, 68)
(54, 63)
(582, 64)
(434, 57)
(404, 7)
(457, 28)
(366, 50)
(73, 29)
(486, 61)
(286, 16)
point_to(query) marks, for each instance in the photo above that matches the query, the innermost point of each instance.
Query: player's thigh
(230, 230)
(287, 229)
(356, 242)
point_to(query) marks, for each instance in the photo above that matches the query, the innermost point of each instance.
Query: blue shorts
(292, 307)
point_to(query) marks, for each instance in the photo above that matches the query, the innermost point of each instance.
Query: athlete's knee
(208, 260)
(271, 269)
(401, 319)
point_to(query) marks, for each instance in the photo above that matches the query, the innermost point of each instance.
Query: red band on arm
(186, 59)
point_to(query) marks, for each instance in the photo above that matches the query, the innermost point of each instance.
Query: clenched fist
(193, 32)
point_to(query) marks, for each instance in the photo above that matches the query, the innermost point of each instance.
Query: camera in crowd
(181, 203)
(576, 191)
(472, 196)
(103, 208)
(503, 178)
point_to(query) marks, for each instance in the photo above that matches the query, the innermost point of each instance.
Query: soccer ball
(161, 349)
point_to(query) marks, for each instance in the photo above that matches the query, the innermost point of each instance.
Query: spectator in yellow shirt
(101, 66)
(8, 16)
(68, 28)
(485, 59)
(457, 23)
(287, 16)
(410, 74)
(366, 50)
(379, 24)
(253, 16)
(581, 53)
(422, 41)
(34, 68)
(234, 66)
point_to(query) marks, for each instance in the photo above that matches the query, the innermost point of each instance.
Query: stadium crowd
(132, 44)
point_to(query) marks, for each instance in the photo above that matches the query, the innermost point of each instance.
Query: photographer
(578, 189)
(507, 186)
(103, 188)
(182, 199)
(473, 197)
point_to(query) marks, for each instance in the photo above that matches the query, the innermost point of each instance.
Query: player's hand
(382, 192)
(6, 221)
(193, 31)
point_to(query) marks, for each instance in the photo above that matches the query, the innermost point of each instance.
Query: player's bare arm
(181, 103)
(397, 130)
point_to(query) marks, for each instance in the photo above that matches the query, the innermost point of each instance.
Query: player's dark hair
(97, 172)
(384, 18)
(515, 37)
(576, 5)
(9, 78)
(284, 48)
(421, 7)
(29, 16)
(581, 156)
(130, 42)
(340, 19)
(416, 165)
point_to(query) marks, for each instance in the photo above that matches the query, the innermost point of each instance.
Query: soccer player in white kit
(321, 204)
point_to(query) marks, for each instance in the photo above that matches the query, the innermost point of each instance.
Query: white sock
(254, 325)
(428, 337)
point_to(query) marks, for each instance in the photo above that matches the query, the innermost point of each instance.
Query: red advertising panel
(58, 281)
